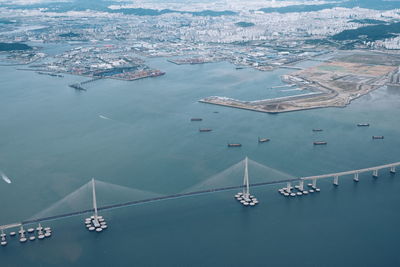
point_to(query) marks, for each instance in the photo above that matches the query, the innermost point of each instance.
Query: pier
(79, 86)
(290, 67)
(92, 80)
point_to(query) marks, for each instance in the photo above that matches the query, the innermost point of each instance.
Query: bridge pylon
(94, 199)
(95, 222)
(245, 197)
(301, 185)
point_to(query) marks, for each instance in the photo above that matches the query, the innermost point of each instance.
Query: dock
(290, 67)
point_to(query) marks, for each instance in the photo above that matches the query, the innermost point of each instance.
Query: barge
(234, 145)
(320, 143)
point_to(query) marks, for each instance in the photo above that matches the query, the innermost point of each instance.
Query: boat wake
(104, 117)
(5, 178)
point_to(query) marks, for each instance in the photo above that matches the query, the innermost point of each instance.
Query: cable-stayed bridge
(284, 178)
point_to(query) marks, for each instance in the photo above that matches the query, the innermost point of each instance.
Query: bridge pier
(375, 173)
(336, 180)
(314, 183)
(356, 177)
(289, 187)
(393, 169)
(301, 185)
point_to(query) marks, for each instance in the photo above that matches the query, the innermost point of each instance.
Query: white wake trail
(104, 117)
(5, 178)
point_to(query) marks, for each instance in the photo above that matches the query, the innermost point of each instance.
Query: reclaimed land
(332, 84)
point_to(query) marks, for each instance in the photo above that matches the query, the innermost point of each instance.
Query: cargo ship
(203, 130)
(320, 143)
(377, 137)
(263, 140)
(363, 124)
(196, 119)
(234, 145)
(317, 130)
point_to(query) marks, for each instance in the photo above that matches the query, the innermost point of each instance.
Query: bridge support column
(336, 180)
(314, 183)
(301, 185)
(375, 173)
(393, 169)
(288, 187)
(356, 177)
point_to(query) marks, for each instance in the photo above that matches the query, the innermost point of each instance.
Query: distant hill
(369, 33)
(156, 12)
(368, 21)
(70, 34)
(297, 8)
(14, 46)
(371, 4)
(244, 24)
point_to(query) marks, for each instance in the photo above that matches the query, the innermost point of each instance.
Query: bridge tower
(94, 199)
(95, 222)
(244, 197)
(246, 185)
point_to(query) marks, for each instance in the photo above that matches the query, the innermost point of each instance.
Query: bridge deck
(12, 225)
(179, 195)
(352, 171)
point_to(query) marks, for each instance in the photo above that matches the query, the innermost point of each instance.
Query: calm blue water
(53, 141)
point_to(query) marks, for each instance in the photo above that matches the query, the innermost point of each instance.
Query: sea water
(139, 135)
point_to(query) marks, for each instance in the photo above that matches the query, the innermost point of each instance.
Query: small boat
(320, 143)
(239, 68)
(377, 137)
(363, 124)
(5, 178)
(263, 140)
(234, 145)
(317, 130)
(196, 119)
(203, 130)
